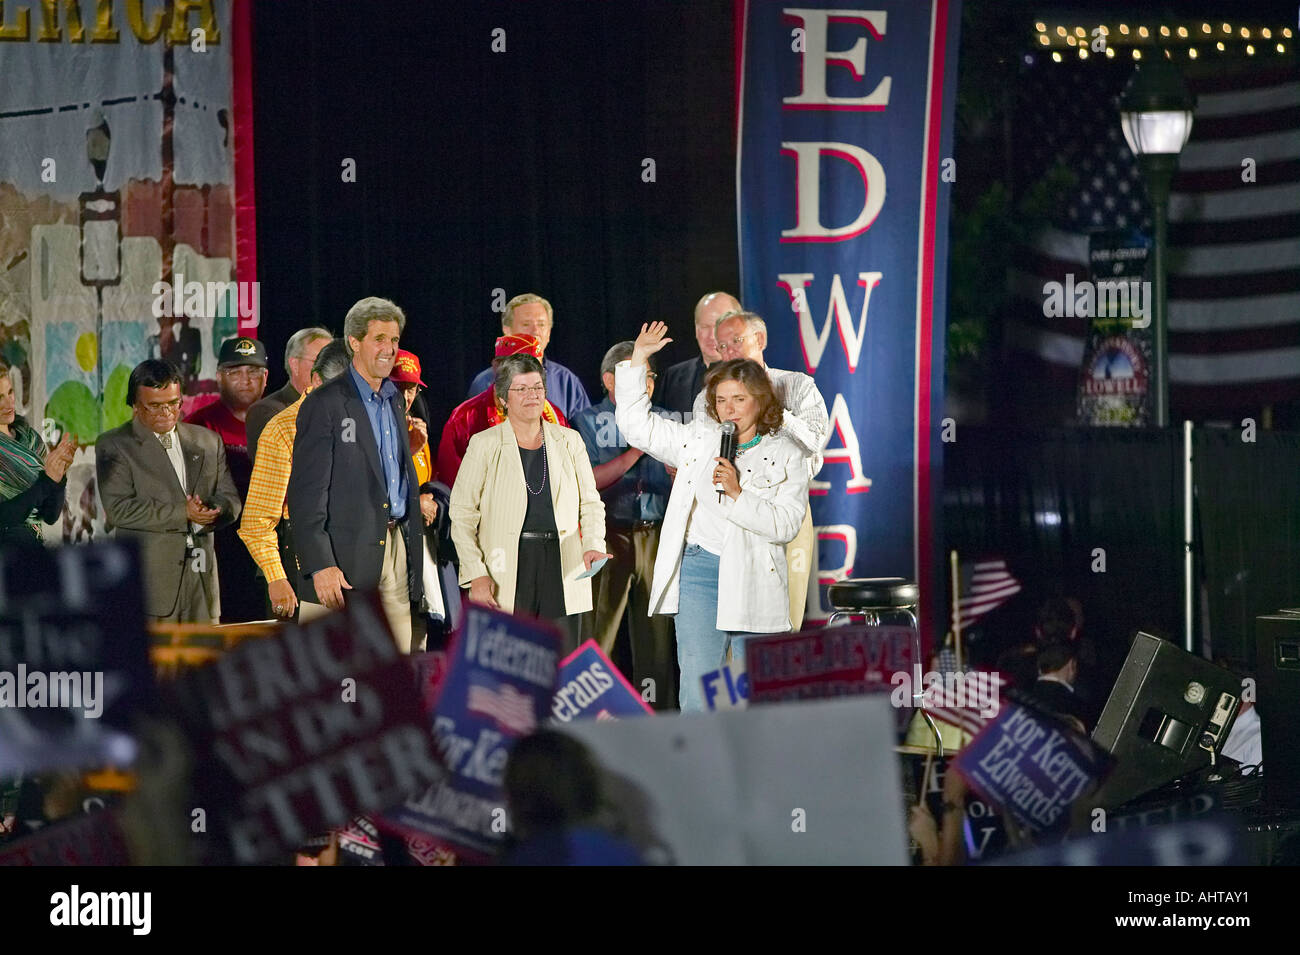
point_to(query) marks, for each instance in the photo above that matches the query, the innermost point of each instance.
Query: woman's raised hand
(648, 342)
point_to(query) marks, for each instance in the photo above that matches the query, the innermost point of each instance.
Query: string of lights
(1192, 40)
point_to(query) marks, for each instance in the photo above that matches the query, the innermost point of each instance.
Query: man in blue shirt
(530, 314)
(353, 495)
(635, 488)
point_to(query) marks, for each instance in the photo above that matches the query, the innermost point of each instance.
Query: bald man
(744, 335)
(679, 385)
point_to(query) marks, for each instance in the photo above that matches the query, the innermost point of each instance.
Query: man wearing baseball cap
(482, 411)
(241, 379)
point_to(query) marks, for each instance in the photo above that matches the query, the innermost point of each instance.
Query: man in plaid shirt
(265, 525)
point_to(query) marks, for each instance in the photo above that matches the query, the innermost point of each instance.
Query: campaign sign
(499, 686)
(1032, 766)
(829, 662)
(74, 656)
(592, 687)
(95, 838)
(726, 688)
(301, 731)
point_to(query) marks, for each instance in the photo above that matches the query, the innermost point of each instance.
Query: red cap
(406, 369)
(508, 345)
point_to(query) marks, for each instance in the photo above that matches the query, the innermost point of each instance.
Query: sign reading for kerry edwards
(1032, 766)
(833, 661)
(499, 687)
(844, 174)
(74, 656)
(301, 731)
(592, 687)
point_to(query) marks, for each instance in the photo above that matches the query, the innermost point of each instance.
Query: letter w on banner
(845, 118)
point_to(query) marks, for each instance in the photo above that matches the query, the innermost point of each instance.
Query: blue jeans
(701, 647)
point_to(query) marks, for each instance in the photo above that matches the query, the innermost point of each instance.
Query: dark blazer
(1058, 698)
(261, 412)
(45, 496)
(338, 499)
(143, 500)
(679, 385)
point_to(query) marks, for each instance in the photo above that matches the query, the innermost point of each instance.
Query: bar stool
(875, 598)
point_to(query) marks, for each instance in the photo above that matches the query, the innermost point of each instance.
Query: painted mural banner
(124, 229)
(843, 175)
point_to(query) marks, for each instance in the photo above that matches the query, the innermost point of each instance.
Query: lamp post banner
(1115, 381)
(844, 167)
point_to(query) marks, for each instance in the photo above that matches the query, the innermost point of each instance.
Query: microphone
(726, 450)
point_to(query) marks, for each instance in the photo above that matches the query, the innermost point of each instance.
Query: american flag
(985, 586)
(1234, 246)
(512, 709)
(964, 706)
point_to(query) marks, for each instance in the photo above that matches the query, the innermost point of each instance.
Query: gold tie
(166, 440)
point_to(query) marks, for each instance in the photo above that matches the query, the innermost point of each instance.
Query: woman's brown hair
(754, 377)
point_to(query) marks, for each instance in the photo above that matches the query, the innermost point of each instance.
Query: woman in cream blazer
(526, 517)
(721, 564)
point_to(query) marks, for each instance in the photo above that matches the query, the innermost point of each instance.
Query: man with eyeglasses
(241, 379)
(744, 335)
(167, 485)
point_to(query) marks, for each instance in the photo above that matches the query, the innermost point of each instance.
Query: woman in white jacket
(721, 562)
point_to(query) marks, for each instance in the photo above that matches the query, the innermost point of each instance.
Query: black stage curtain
(1045, 501)
(477, 170)
(1248, 507)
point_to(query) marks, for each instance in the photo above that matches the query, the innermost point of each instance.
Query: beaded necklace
(748, 444)
(543, 484)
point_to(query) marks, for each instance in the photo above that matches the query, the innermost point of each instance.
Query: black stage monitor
(1167, 712)
(1277, 674)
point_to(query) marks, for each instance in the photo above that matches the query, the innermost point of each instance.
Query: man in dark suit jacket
(354, 499)
(166, 484)
(1058, 666)
(299, 356)
(679, 385)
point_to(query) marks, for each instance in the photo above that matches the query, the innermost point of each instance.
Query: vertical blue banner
(843, 178)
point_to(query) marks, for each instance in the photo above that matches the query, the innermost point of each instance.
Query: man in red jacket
(482, 411)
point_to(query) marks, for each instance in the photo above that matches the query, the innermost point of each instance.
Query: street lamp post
(1156, 115)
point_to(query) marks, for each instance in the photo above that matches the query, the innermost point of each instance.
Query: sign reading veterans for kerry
(74, 658)
(832, 661)
(301, 731)
(592, 687)
(499, 687)
(1032, 766)
(843, 178)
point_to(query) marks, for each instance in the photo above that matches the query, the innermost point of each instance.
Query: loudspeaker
(1167, 712)
(1277, 687)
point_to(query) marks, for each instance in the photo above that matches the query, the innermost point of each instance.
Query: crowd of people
(532, 500)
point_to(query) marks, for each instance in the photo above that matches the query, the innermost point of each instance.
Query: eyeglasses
(651, 375)
(734, 343)
(528, 390)
(243, 371)
(159, 407)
